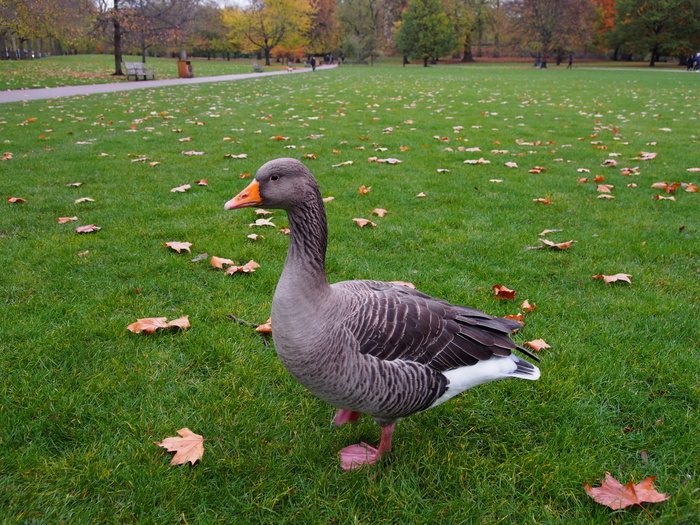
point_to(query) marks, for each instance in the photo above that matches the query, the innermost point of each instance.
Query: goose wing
(393, 322)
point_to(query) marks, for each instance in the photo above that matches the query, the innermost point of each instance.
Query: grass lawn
(82, 399)
(97, 69)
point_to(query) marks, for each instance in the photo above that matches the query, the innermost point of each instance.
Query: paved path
(91, 89)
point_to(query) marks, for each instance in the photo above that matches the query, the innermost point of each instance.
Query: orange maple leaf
(537, 344)
(188, 447)
(617, 496)
(364, 190)
(178, 246)
(501, 292)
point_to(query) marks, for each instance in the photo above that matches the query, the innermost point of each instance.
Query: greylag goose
(370, 347)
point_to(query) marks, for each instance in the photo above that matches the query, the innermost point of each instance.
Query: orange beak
(248, 197)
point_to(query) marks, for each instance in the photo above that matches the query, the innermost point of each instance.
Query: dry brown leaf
(501, 292)
(248, 267)
(63, 220)
(614, 278)
(527, 307)
(364, 190)
(89, 228)
(537, 344)
(202, 182)
(150, 324)
(218, 262)
(181, 189)
(178, 246)
(364, 222)
(380, 212)
(542, 201)
(617, 496)
(404, 283)
(16, 200)
(188, 447)
(84, 199)
(560, 245)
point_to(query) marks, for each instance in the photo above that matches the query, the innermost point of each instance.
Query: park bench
(138, 71)
(258, 68)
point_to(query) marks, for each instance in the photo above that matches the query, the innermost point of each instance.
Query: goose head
(279, 184)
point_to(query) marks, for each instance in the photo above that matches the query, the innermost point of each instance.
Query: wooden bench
(258, 68)
(138, 71)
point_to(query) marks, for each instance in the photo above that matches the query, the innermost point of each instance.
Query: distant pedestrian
(689, 63)
(571, 61)
(697, 62)
(312, 63)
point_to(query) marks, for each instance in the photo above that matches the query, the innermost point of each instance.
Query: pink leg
(354, 456)
(345, 416)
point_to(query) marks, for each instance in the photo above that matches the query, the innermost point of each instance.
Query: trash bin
(184, 69)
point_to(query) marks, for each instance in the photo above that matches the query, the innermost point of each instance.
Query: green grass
(82, 399)
(97, 69)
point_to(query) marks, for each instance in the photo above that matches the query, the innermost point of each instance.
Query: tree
(425, 31)
(657, 27)
(324, 31)
(547, 26)
(266, 24)
(362, 20)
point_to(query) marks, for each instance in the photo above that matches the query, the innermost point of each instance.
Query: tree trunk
(468, 56)
(117, 41)
(267, 56)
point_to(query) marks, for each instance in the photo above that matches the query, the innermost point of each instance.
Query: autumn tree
(362, 21)
(262, 25)
(425, 32)
(657, 27)
(551, 26)
(324, 29)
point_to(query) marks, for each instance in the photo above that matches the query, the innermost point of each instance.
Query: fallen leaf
(404, 283)
(192, 153)
(87, 229)
(560, 245)
(16, 200)
(202, 182)
(151, 324)
(527, 307)
(480, 160)
(63, 220)
(604, 188)
(380, 212)
(691, 188)
(542, 201)
(517, 317)
(545, 232)
(218, 262)
(421, 194)
(260, 211)
(177, 246)
(364, 222)
(255, 236)
(501, 292)
(188, 447)
(261, 222)
(248, 267)
(239, 156)
(617, 496)
(181, 189)
(662, 198)
(345, 163)
(614, 278)
(537, 344)
(84, 199)
(364, 190)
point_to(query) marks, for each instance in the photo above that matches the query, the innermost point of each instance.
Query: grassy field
(97, 69)
(83, 400)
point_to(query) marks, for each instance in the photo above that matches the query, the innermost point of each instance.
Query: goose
(364, 346)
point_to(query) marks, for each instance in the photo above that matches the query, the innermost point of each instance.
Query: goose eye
(274, 177)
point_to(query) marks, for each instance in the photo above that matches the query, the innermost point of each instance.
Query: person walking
(312, 62)
(571, 61)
